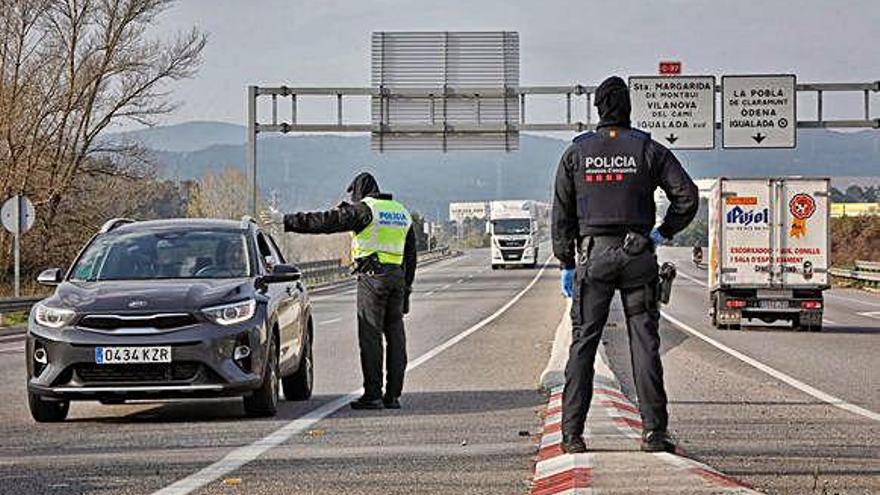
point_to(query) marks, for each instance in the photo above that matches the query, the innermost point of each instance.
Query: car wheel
(299, 385)
(47, 411)
(263, 402)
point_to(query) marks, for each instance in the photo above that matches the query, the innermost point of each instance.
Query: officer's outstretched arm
(564, 225)
(683, 194)
(345, 218)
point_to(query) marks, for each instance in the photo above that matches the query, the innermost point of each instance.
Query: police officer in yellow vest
(384, 250)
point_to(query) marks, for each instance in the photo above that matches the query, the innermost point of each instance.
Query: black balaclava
(363, 185)
(612, 100)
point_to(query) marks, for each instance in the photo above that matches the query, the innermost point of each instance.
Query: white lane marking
(829, 322)
(461, 280)
(803, 387)
(870, 314)
(852, 299)
(245, 454)
(331, 320)
(12, 349)
(692, 279)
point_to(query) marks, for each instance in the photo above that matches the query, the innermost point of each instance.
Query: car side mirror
(283, 273)
(52, 276)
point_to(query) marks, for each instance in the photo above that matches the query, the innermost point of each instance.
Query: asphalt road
(469, 408)
(753, 425)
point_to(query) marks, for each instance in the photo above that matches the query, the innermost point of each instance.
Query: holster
(368, 265)
(667, 275)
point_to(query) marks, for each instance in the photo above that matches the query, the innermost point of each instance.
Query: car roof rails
(246, 221)
(113, 223)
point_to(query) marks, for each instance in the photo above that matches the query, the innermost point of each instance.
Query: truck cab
(513, 231)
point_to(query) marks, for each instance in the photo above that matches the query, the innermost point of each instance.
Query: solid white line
(327, 322)
(852, 299)
(11, 350)
(691, 278)
(870, 314)
(803, 387)
(245, 454)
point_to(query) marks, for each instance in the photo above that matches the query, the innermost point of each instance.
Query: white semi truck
(769, 251)
(513, 227)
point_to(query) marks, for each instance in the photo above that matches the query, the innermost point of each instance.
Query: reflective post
(252, 146)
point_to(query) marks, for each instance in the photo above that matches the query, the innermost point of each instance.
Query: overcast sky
(270, 42)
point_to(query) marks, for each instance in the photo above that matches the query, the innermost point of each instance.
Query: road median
(613, 462)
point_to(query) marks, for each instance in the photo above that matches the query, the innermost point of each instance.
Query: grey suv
(171, 309)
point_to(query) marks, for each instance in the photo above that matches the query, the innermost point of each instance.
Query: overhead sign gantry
(470, 98)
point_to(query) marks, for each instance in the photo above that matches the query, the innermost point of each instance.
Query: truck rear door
(803, 236)
(746, 233)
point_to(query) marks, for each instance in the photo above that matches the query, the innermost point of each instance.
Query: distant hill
(312, 171)
(189, 136)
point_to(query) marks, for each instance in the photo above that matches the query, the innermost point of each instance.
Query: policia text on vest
(383, 246)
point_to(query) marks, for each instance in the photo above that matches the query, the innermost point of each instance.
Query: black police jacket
(605, 185)
(349, 217)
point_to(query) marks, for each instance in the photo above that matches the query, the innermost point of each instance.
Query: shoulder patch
(582, 136)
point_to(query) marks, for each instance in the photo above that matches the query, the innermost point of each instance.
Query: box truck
(513, 228)
(769, 251)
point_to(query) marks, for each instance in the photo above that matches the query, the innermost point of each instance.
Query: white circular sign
(18, 219)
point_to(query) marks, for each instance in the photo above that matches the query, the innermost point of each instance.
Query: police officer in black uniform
(383, 287)
(603, 236)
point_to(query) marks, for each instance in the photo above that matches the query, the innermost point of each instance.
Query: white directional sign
(759, 111)
(678, 111)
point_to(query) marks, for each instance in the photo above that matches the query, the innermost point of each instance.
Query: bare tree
(221, 195)
(69, 69)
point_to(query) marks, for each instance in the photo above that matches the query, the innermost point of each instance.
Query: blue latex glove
(567, 279)
(658, 238)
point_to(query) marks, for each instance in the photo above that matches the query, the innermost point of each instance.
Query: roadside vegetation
(69, 71)
(855, 238)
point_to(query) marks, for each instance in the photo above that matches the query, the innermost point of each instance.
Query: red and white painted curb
(614, 425)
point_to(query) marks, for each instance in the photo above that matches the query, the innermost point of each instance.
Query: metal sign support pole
(17, 245)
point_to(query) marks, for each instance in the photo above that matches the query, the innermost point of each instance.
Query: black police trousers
(380, 299)
(604, 268)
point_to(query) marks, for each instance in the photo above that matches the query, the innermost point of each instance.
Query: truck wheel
(494, 267)
(263, 402)
(47, 411)
(798, 327)
(299, 385)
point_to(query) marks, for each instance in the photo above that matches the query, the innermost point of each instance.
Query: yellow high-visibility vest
(386, 234)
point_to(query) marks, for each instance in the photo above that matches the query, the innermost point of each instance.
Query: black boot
(391, 402)
(573, 444)
(657, 441)
(367, 403)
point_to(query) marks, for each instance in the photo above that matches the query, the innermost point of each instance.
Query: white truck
(513, 227)
(769, 250)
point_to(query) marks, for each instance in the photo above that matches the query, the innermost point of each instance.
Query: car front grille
(183, 371)
(164, 321)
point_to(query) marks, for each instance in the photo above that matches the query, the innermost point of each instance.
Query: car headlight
(52, 317)
(230, 314)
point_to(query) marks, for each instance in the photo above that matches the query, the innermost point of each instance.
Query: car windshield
(512, 226)
(166, 254)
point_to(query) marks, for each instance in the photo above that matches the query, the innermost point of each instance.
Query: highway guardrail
(864, 271)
